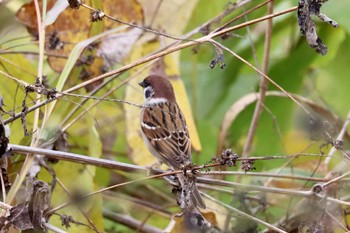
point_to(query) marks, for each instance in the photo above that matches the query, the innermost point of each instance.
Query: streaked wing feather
(171, 141)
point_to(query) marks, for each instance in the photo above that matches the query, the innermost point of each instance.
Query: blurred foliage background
(78, 50)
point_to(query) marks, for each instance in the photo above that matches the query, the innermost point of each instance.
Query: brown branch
(263, 86)
(155, 207)
(264, 75)
(87, 217)
(113, 187)
(201, 40)
(264, 174)
(241, 15)
(204, 39)
(130, 222)
(245, 215)
(78, 158)
(340, 136)
(143, 28)
(109, 164)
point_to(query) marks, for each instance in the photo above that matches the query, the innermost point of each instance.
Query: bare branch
(339, 138)
(130, 222)
(77, 158)
(263, 86)
(245, 215)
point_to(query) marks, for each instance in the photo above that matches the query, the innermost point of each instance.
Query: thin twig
(30, 158)
(203, 39)
(153, 206)
(143, 28)
(263, 174)
(154, 16)
(241, 15)
(92, 225)
(263, 86)
(264, 75)
(53, 228)
(91, 93)
(246, 187)
(23, 83)
(18, 66)
(337, 221)
(335, 179)
(94, 161)
(215, 19)
(130, 222)
(340, 137)
(244, 215)
(152, 57)
(246, 100)
(300, 193)
(102, 98)
(5, 206)
(37, 54)
(41, 36)
(105, 163)
(112, 187)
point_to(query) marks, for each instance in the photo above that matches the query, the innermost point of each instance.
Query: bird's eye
(144, 83)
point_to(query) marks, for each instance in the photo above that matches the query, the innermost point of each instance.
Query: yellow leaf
(18, 66)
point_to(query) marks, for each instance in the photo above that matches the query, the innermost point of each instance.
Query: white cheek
(155, 101)
(149, 99)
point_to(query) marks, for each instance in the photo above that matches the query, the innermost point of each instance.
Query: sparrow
(164, 131)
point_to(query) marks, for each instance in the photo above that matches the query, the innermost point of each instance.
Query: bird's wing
(165, 128)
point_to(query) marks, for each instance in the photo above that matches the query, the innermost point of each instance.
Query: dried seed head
(228, 158)
(248, 165)
(75, 4)
(97, 15)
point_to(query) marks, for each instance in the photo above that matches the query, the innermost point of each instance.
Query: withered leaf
(307, 8)
(7, 182)
(4, 151)
(1, 104)
(19, 217)
(73, 26)
(30, 214)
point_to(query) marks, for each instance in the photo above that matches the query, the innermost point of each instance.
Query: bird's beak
(142, 84)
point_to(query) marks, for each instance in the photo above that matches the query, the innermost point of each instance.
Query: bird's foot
(190, 170)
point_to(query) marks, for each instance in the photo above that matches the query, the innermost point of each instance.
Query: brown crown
(161, 86)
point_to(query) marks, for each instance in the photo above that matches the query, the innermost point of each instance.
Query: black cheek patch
(148, 93)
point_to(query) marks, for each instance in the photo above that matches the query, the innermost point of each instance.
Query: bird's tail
(196, 197)
(190, 193)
